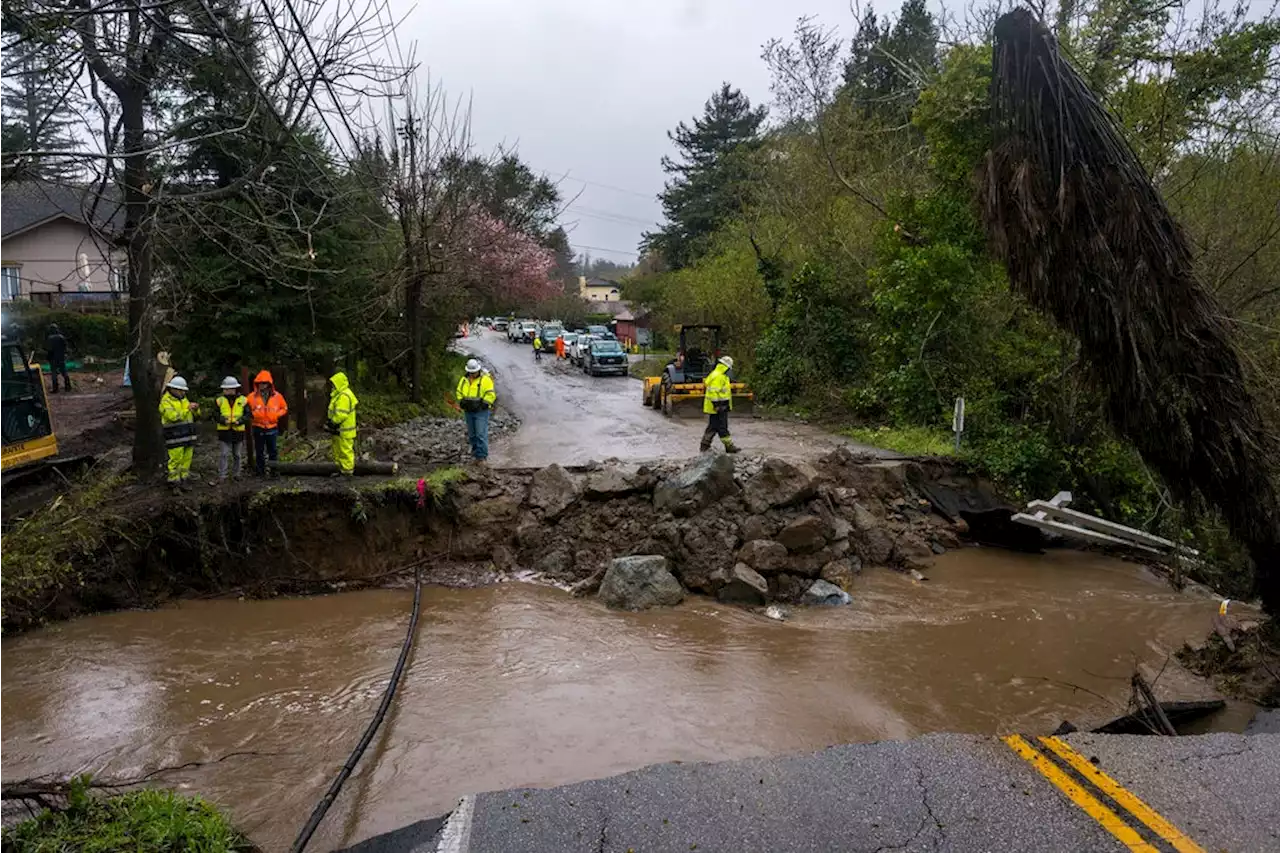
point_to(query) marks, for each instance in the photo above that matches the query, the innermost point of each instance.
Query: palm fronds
(1087, 238)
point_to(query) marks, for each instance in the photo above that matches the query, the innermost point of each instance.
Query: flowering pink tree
(498, 261)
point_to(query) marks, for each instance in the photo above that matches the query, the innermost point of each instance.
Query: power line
(612, 251)
(566, 176)
(618, 218)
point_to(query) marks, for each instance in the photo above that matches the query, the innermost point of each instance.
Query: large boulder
(842, 572)
(638, 583)
(781, 483)
(911, 551)
(764, 555)
(704, 481)
(612, 482)
(744, 585)
(788, 588)
(824, 594)
(804, 534)
(705, 552)
(810, 564)
(552, 490)
(875, 542)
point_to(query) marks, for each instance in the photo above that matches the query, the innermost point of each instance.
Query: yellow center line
(1113, 789)
(1089, 804)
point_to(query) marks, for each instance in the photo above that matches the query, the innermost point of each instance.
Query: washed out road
(570, 418)
(938, 793)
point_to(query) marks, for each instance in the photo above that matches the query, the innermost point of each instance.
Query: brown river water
(519, 685)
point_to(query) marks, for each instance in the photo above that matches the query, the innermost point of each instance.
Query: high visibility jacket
(718, 388)
(472, 393)
(267, 411)
(177, 421)
(342, 405)
(537, 343)
(231, 413)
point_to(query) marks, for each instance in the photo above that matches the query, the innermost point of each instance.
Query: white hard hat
(230, 382)
(726, 361)
(473, 366)
(177, 383)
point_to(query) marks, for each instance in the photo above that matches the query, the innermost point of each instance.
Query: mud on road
(570, 418)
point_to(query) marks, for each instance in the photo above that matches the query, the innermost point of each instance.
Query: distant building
(57, 247)
(599, 289)
(632, 328)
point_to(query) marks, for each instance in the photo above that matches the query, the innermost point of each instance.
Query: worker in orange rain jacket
(266, 407)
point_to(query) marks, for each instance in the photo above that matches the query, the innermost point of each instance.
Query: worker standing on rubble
(717, 402)
(177, 420)
(477, 397)
(233, 414)
(266, 406)
(342, 422)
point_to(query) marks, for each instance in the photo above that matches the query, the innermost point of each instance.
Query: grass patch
(912, 440)
(39, 551)
(155, 821)
(437, 484)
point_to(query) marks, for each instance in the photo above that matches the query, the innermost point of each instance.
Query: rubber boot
(729, 446)
(706, 442)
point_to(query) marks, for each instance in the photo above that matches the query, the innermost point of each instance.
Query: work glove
(331, 427)
(721, 406)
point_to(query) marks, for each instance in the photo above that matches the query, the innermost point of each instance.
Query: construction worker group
(260, 412)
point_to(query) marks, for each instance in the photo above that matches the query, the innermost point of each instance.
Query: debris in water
(917, 576)
(777, 611)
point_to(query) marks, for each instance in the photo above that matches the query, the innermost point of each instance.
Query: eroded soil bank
(789, 521)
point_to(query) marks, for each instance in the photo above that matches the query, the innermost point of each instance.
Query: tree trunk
(412, 309)
(147, 443)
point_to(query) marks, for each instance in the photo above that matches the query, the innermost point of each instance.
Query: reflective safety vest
(342, 405)
(477, 394)
(177, 421)
(717, 388)
(231, 413)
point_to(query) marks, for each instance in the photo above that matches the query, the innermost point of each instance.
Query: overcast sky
(591, 87)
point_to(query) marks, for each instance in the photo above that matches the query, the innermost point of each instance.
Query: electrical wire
(322, 807)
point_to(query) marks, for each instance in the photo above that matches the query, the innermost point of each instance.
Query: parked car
(522, 332)
(601, 332)
(499, 325)
(578, 354)
(605, 357)
(549, 334)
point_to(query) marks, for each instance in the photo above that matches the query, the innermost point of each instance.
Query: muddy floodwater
(523, 685)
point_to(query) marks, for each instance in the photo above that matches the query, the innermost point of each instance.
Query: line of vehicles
(594, 348)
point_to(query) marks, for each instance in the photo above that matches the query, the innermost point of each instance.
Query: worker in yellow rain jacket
(476, 396)
(342, 422)
(177, 420)
(716, 403)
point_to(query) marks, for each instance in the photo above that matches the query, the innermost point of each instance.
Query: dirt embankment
(791, 522)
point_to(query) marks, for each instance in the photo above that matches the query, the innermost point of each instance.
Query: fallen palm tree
(1087, 238)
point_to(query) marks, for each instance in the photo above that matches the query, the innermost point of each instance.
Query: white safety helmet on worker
(726, 361)
(177, 383)
(229, 383)
(473, 366)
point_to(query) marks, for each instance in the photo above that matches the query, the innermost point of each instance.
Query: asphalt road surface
(571, 418)
(938, 793)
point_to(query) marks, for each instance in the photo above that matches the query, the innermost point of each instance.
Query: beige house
(599, 289)
(56, 247)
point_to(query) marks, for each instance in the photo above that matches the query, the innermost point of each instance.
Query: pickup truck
(605, 357)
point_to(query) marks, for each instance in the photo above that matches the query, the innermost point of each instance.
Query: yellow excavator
(679, 390)
(27, 425)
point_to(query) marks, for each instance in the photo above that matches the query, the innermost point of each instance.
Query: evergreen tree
(709, 178)
(889, 64)
(38, 112)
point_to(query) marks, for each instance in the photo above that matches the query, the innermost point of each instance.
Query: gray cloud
(592, 88)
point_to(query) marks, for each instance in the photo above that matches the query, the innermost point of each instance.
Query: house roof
(29, 204)
(601, 282)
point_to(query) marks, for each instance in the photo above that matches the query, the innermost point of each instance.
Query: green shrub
(99, 335)
(154, 821)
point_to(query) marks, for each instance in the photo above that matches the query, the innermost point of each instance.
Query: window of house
(119, 279)
(11, 281)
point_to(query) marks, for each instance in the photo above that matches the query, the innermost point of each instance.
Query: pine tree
(889, 62)
(38, 113)
(708, 179)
